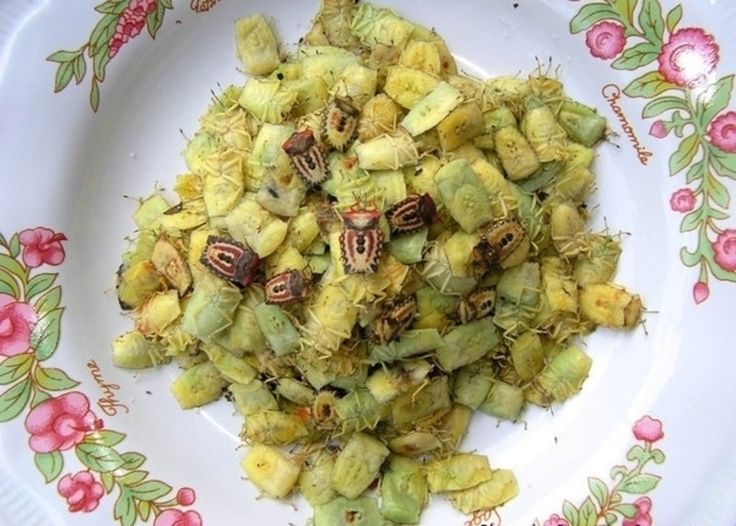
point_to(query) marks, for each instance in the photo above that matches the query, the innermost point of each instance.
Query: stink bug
(396, 316)
(306, 157)
(361, 240)
(499, 242)
(286, 287)
(340, 123)
(230, 260)
(478, 304)
(411, 214)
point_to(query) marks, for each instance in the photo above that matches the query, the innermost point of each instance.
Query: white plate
(67, 168)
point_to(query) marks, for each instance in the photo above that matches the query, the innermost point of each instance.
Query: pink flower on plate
(722, 132)
(185, 497)
(178, 518)
(683, 200)
(555, 520)
(688, 57)
(605, 39)
(41, 245)
(658, 130)
(129, 25)
(642, 518)
(724, 248)
(16, 323)
(81, 491)
(700, 292)
(648, 429)
(60, 423)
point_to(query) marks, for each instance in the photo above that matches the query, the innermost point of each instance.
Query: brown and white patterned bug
(411, 214)
(306, 157)
(499, 241)
(476, 305)
(286, 287)
(395, 317)
(340, 123)
(230, 260)
(361, 240)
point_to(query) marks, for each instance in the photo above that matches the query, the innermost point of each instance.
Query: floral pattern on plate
(58, 417)
(686, 99)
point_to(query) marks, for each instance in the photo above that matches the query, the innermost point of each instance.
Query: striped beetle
(411, 214)
(230, 260)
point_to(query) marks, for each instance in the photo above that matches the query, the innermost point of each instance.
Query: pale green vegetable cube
(432, 109)
(403, 491)
(344, 512)
(133, 351)
(198, 386)
(357, 465)
(457, 472)
(257, 45)
(501, 488)
(277, 328)
(463, 195)
(271, 470)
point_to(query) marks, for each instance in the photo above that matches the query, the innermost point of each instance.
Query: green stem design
(616, 490)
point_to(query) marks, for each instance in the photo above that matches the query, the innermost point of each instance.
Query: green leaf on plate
(674, 17)
(64, 75)
(133, 478)
(105, 437)
(155, 18)
(627, 510)
(150, 490)
(15, 368)
(49, 464)
(685, 153)
(14, 400)
(133, 460)
(46, 334)
(14, 246)
(98, 457)
(598, 489)
(62, 56)
(611, 518)
(716, 98)
(125, 510)
(648, 86)
(626, 8)
(570, 512)
(94, 95)
(14, 268)
(38, 397)
(49, 301)
(636, 56)
(108, 481)
(640, 484)
(695, 172)
(691, 222)
(80, 69)
(718, 192)
(724, 163)
(38, 284)
(658, 456)
(663, 104)
(588, 514)
(651, 21)
(144, 510)
(112, 6)
(8, 284)
(690, 259)
(590, 14)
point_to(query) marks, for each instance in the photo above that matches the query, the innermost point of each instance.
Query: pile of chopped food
(369, 246)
